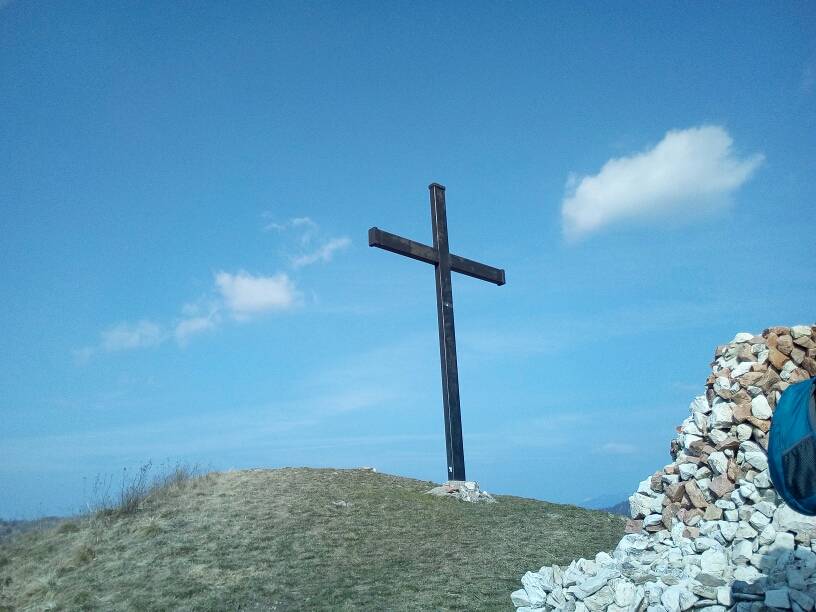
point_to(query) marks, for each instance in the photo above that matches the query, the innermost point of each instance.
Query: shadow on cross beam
(423, 252)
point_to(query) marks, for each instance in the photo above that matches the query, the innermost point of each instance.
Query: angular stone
(778, 598)
(633, 526)
(624, 592)
(687, 470)
(534, 587)
(759, 521)
(805, 342)
(743, 432)
(805, 601)
(784, 344)
(719, 462)
(797, 331)
(777, 359)
(762, 425)
(712, 513)
(798, 355)
(728, 530)
(741, 552)
(639, 505)
(520, 598)
(741, 411)
(695, 495)
(675, 492)
(721, 416)
(713, 562)
(699, 404)
(721, 486)
(745, 531)
(809, 365)
(759, 460)
(760, 407)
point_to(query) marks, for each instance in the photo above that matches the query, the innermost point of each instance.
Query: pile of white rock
(464, 490)
(708, 531)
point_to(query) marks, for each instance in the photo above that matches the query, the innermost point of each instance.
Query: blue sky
(185, 194)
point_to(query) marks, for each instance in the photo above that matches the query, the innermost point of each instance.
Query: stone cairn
(463, 490)
(708, 532)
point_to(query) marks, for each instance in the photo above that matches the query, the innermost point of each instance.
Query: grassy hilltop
(296, 539)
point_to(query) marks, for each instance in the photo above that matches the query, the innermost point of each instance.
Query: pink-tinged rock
(729, 442)
(691, 532)
(693, 516)
(779, 330)
(771, 340)
(721, 486)
(675, 492)
(798, 355)
(633, 526)
(749, 379)
(809, 365)
(713, 513)
(741, 411)
(695, 495)
(798, 375)
(784, 344)
(777, 359)
(806, 342)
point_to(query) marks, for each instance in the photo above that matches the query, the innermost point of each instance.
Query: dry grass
(276, 540)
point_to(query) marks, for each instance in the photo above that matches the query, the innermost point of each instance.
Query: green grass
(275, 540)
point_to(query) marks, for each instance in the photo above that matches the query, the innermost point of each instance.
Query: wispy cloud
(693, 169)
(246, 295)
(241, 295)
(123, 337)
(323, 254)
(193, 324)
(126, 336)
(304, 225)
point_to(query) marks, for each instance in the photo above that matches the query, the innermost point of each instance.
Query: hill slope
(294, 539)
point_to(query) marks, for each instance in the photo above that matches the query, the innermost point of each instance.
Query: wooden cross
(445, 263)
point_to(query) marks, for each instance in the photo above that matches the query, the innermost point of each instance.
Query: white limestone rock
(639, 505)
(759, 460)
(700, 404)
(713, 561)
(763, 480)
(741, 552)
(760, 407)
(533, 586)
(718, 462)
(721, 416)
(786, 519)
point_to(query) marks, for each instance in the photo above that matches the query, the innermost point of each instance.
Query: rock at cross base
(468, 491)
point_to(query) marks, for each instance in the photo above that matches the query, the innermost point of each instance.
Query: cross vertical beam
(447, 336)
(444, 263)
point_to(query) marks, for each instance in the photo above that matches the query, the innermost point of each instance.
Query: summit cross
(444, 262)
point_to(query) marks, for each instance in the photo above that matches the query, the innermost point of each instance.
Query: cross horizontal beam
(423, 252)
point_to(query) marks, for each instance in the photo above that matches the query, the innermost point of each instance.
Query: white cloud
(304, 225)
(127, 336)
(694, 169)
(191, 326)
(246, 295)
(324, 253)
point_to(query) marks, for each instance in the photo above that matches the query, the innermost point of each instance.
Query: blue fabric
(792, 448)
